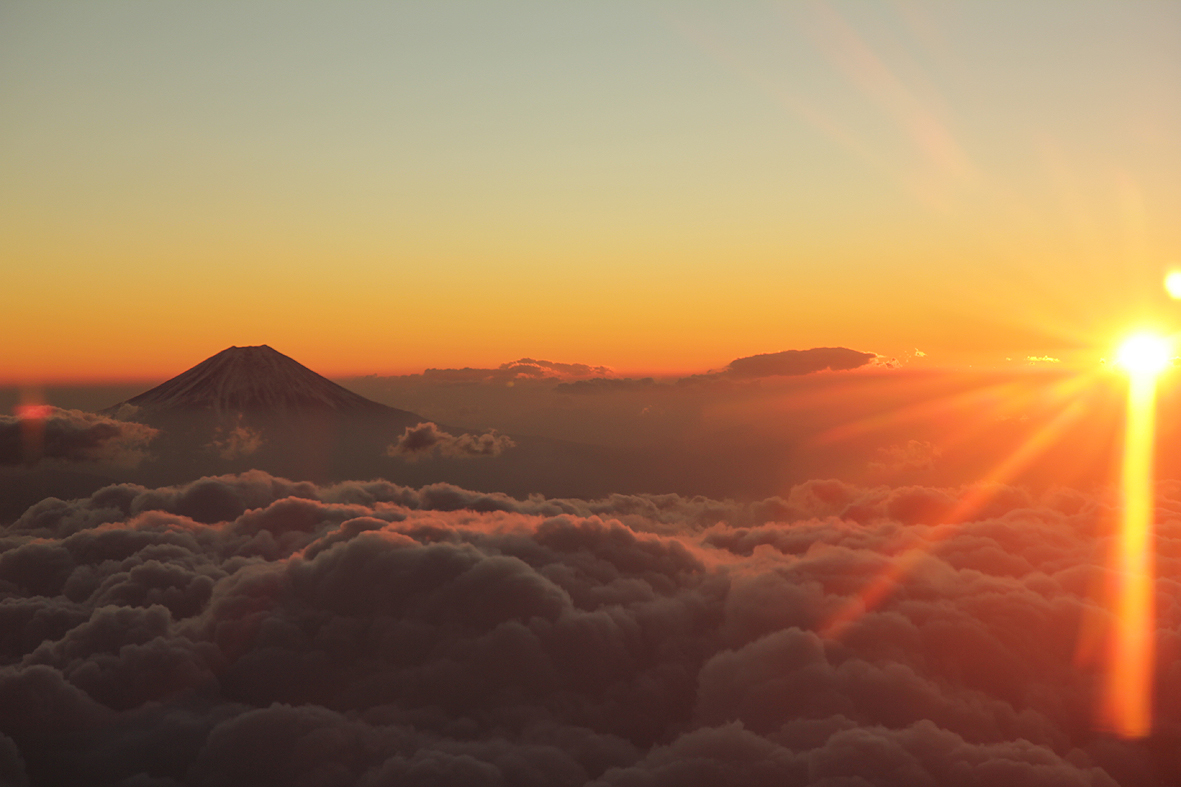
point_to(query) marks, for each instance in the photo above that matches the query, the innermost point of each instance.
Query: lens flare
(32, 412)
(1126, 703)
(880, 587)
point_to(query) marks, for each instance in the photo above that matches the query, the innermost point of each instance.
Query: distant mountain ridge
(251, 379)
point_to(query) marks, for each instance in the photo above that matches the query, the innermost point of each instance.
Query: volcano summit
(255, 407)
(251, 380)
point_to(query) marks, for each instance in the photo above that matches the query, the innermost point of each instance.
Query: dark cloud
(789, 363)
(794, 362)
(583, 378)
(50, 433)
(248, 630)
(534, 368)
(524, 369)
(427, 438)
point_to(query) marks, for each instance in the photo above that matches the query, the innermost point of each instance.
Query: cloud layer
(71, 436)
(246, 630)
(793, 362)
(427, 438)
(523, 369)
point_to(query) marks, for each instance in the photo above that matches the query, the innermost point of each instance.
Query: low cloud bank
(523, 369)
(50, 433)
(426, 439)
(793, 362)
(788, 363)
(247, 630)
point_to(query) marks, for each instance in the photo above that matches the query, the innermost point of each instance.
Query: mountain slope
(253, 407)
(251, 379)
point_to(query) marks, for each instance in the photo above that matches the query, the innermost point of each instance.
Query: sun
(1173, 284)
(1144, 353)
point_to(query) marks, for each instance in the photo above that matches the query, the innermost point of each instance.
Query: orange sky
(372, 189)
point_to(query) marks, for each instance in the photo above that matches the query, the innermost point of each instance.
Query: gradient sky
(378, 187)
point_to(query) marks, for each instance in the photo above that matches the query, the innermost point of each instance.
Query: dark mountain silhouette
(251, 380)
(253, 407)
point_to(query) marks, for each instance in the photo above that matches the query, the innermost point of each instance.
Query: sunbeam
(1126, 703)
(877, 590)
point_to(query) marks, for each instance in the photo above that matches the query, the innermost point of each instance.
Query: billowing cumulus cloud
(51, 433)
(247, 630)
(427, 438)
(241, 441)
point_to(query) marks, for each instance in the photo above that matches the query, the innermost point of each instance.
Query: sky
(757, 417)
(657, 187)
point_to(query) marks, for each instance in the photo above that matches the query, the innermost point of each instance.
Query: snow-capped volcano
(249, 380)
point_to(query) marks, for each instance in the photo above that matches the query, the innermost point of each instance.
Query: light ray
(997, 400)
(1126, 704)
(975, 498)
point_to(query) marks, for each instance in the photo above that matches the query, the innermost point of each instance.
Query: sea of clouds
(247, 630)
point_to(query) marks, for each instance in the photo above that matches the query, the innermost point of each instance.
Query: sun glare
(1173, 284)
(1144, 353)
(1126, 704)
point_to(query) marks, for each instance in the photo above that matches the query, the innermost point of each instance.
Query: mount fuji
(256, 408)
(251, 380)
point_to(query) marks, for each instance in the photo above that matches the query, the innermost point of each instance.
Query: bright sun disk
(1144, 353)
(1173, 284)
